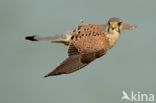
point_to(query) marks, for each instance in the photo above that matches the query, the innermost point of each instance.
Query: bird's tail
(65, 39)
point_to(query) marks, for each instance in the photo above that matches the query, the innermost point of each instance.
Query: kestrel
(86, 43)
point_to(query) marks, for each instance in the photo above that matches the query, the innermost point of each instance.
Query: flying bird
(86, 43)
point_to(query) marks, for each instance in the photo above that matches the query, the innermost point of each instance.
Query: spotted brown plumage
(89, 38)
(86, 43)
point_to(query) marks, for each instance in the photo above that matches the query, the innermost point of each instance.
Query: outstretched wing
(71, 64)
(85, 46)
(74, 62)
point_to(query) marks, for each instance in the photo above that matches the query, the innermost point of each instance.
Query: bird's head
(116, 24)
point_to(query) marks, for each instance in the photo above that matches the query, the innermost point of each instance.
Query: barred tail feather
(65, 39)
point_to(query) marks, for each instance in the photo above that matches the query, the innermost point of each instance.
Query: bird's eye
(119, 23)
(109, 23)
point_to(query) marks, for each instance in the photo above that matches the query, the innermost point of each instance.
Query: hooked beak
(113, 25)
(127, 26)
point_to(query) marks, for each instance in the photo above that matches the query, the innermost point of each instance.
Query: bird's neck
(113, 37)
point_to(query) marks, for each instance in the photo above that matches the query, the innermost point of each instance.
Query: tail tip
(31, 38)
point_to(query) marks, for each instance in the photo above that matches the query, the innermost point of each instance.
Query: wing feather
(71, 64)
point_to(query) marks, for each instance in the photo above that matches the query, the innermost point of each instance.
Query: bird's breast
(113, 38)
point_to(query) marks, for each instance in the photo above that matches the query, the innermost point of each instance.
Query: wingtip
(128, 26)
(46, 76)
(52, 74)
(31, 38)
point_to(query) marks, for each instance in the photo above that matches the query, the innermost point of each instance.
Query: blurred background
(129, 66)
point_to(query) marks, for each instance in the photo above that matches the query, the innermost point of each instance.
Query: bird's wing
(74, 62)
(127, 26)
(71, 64)
(89, 38)
(83, 49)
